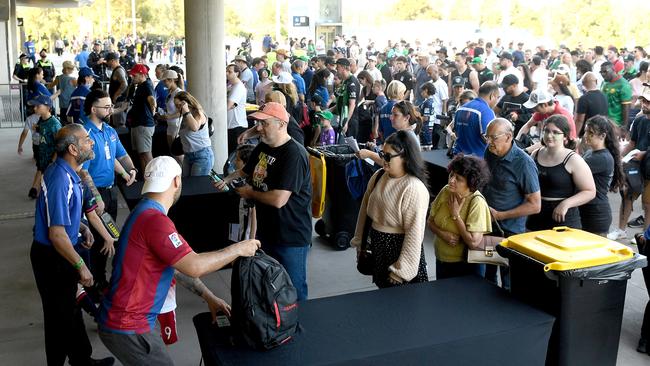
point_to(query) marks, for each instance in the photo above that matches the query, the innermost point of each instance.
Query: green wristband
(78, 265)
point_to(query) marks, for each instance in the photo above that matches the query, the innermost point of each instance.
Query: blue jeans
(198, 162)
(294, 260)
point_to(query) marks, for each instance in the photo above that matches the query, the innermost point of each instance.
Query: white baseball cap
(537, 97)
(159, 174)
(283, 78)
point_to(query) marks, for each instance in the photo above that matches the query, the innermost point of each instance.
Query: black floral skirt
(386, 249)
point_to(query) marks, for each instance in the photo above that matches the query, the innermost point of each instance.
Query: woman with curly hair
(565, 180)
(459, 216)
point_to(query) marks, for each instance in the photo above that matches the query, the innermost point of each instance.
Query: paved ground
(330, 273)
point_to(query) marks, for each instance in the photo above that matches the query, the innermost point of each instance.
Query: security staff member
(49, 72)
(56, 264)
(110, 159)
(21, 70)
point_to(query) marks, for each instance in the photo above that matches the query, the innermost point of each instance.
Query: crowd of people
(536, 139)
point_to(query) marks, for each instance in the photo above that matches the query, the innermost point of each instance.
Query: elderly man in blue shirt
(513, 191)
(56, 264)
(110, 159)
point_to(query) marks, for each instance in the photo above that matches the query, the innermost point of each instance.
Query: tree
(413, 10)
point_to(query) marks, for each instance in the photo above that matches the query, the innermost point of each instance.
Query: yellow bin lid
(564, 248)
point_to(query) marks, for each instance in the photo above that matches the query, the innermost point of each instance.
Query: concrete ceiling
(53, 4)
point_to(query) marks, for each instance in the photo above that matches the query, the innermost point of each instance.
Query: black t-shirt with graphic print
(283, 168)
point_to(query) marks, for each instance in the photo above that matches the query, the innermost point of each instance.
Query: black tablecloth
(461, 321)
(436, 162)
(202, 215)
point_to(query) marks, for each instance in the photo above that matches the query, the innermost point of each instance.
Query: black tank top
(555, 181)
(464, 75)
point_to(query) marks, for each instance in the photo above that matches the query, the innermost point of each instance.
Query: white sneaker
(617, 234)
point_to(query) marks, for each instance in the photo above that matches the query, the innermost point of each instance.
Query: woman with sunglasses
(460, 215)
(403, 117)
(604, 160)
(565, 179)
(397, 204)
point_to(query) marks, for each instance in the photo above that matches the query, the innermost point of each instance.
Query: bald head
(500, 125)
(432, 71)
(499, 136)
(590, 80)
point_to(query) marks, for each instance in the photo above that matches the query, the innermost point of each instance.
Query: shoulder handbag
(485, 252)
(366, 259)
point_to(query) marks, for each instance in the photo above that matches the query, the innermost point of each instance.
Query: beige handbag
(485, 252)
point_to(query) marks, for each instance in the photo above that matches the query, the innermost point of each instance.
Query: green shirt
(47, 129)
(474, 211)
(618, 92)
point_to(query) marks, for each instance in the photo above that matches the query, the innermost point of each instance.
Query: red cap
(272, 110)
(139, 69)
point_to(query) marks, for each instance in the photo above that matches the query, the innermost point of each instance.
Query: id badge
(107, 151)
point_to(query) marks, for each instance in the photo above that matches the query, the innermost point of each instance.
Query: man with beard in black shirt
(511, 105)
(279, 182)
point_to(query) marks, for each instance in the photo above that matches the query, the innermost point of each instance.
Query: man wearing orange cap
(279, 182)
(140, 117)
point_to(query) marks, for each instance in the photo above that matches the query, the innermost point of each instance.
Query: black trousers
(645, 327)
(233, 134)
(65, 332)
(97, 259)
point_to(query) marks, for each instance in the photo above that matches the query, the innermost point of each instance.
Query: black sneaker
(107, 361)
(643, 346)
(32, 193)
(638, 222)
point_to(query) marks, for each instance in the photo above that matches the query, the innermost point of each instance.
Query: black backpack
(264, 301)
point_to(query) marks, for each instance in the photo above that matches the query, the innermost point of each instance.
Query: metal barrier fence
(11, 106)
(12, 111)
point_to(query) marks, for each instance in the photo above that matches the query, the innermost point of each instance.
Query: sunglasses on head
(387, 157)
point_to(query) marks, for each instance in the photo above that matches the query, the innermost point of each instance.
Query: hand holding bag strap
(489, 240)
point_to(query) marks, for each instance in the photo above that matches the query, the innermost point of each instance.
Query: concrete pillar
(206, 67)
(7, 39)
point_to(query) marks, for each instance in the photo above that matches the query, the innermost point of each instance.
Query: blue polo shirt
(513, 177)
(107, 148)
(59, 203)
(300, 83)
(470, 123)
(161, 95)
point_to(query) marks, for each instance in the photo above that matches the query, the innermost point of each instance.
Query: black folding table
(461, 321)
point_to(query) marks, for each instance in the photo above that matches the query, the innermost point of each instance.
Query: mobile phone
(217, 179)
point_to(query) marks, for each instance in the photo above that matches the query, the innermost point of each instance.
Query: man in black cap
(507, 68)
(347, 98)
(97, 62)
(511, 105)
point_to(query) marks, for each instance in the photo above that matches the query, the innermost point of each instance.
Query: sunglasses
(387, 157)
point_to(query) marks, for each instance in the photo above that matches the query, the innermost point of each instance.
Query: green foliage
(412, 10)
(572, 22)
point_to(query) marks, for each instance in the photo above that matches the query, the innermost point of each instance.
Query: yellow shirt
(474, 212)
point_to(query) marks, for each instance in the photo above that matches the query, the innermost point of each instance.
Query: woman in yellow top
(397, 204)
(460, 216)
